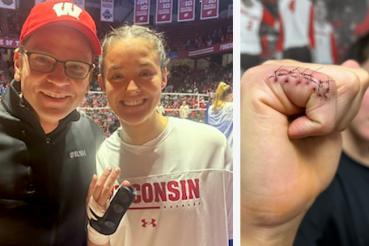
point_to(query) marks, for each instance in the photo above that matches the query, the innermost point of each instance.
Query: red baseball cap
(62, 12)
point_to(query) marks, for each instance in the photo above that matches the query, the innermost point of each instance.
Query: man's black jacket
(44, 178)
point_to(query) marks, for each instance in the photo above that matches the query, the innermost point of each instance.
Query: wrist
(96, 237)
(95, 210)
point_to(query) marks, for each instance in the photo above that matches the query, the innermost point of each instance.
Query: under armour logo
(145, 222)
(67, 9)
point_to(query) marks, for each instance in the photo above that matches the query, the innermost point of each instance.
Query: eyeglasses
(40, 62)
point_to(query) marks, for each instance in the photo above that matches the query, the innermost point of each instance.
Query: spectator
(184, 110)
(220, 113)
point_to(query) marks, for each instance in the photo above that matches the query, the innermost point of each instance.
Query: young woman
(181, 170)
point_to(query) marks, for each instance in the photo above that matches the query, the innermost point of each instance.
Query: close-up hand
(292, 114)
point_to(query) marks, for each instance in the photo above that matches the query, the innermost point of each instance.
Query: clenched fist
(292, 114)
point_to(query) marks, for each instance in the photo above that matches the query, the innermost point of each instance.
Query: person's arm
(98, 240)
(291, 117)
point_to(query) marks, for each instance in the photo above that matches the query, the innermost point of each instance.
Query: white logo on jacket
(77, 154)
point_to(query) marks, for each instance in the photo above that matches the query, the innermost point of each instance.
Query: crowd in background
(6, 64)
(95, 106)
(198, 36)
(217, 35)
(10, 24)
(319, 31)
(184, 79)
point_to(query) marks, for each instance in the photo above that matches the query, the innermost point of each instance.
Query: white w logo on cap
(67, 9)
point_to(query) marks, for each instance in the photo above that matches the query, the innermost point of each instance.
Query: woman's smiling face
(133, 80)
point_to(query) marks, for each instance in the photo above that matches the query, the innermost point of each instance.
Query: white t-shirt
(183, 180)
(297, 23)
(250, 19)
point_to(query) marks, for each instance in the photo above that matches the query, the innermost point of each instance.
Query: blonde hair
(222, 91)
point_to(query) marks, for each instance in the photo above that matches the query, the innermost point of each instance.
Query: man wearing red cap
(47, 149)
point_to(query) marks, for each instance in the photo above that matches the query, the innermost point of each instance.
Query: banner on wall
(217, 48)
(209, 9)
(164, 9)
(7, 42)
(186, 10)
(141, 12)
(107, 10)
(7, 4)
